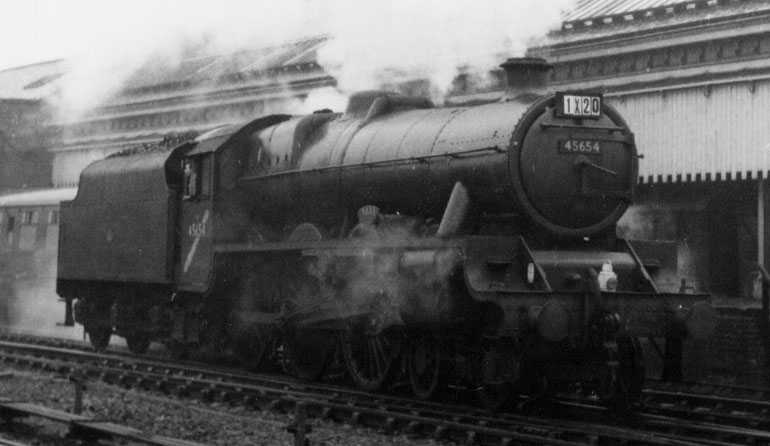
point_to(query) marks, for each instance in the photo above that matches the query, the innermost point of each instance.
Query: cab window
(197, 177)
(191, 178)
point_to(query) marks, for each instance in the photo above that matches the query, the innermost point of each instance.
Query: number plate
(578, 105)
(584, 146)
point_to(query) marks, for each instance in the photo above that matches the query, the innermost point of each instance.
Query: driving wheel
(370, 353)
(424, 365)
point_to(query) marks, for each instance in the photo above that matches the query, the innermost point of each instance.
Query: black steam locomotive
(467, 245)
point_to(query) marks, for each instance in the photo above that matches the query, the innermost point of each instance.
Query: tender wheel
(307, 352)
(99, 337)
(253, 347)
(177, 349)
(370, 353)
(424, 366)
(138, 342)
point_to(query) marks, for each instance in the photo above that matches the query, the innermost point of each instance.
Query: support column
(764, 315)
(761, 210)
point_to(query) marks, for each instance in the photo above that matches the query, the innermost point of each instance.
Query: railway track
(662, 421)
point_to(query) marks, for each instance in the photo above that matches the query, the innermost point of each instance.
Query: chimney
(525, 76)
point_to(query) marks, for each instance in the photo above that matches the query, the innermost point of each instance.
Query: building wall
(735, 355)
(24, 158)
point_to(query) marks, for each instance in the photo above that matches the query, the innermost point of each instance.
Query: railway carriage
(467, 245)
(29, 237)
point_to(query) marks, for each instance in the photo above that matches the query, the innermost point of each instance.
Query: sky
(37, 30)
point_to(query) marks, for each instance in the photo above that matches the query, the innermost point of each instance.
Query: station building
(25, 133)
(692, 78)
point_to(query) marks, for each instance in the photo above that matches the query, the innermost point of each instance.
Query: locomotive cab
(196, 215)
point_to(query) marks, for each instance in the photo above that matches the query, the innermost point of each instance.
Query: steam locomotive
(469, 245)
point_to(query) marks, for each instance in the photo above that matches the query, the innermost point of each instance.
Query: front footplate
(662, 314)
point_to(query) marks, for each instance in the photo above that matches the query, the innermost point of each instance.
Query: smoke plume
(370, 43)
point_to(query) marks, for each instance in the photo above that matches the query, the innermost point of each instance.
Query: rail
(668, 417)
(83, 426)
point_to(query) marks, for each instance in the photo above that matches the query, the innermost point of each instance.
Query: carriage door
(195, 224)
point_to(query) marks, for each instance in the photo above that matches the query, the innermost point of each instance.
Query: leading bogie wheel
(371, 354)
(632, 370)
(622, 379)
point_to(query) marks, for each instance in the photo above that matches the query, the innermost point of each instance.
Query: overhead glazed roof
(198, 68)
(30, 82)
(40, 80)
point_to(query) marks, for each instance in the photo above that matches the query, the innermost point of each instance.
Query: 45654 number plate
(584, 146)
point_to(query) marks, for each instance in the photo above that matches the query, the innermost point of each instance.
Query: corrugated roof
(686, 135)
(669, 15)
(589, 9)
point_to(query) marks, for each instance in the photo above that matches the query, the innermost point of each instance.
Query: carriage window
(11, 223)
(53, 217)
(30, 217)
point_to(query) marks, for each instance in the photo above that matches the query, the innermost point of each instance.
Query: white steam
(30, 303)
(371, 43)
(382, 42)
